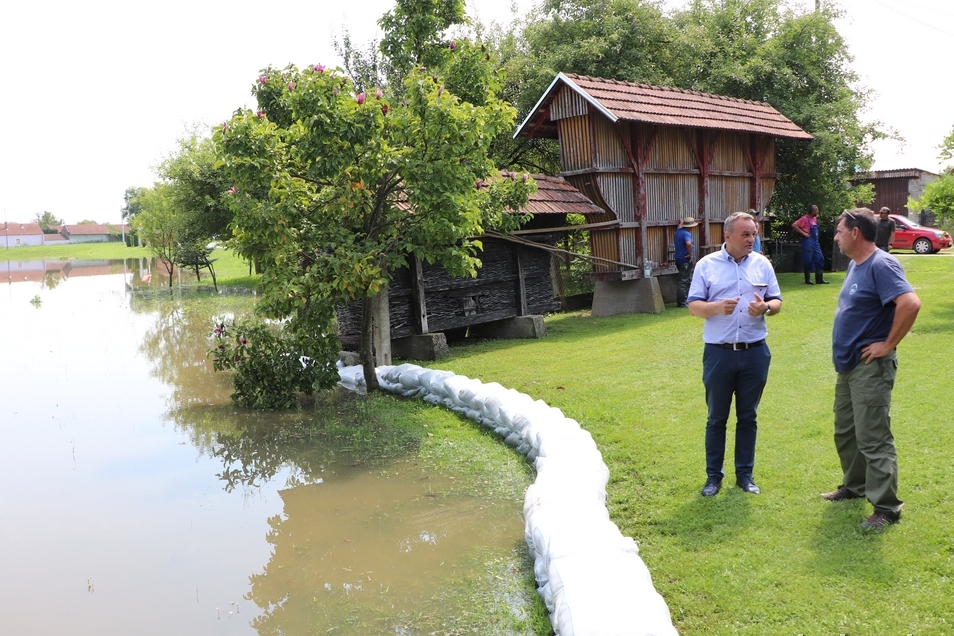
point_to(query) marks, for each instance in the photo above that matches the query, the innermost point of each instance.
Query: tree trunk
(367, 349)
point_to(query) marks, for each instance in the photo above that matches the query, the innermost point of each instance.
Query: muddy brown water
(138, 502)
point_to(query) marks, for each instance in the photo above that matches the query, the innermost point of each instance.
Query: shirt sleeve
(804, 225)
(891, 281)
(699, 288)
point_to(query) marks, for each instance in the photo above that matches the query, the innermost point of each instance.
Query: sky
(97, 93)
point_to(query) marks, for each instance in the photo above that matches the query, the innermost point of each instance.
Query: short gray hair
(735, 216)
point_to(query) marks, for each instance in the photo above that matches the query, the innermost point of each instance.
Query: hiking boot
(840, 494)
(880, 519)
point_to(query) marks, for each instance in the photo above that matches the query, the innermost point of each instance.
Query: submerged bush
(273, 364)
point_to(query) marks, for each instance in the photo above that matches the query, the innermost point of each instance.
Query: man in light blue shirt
(734, 289)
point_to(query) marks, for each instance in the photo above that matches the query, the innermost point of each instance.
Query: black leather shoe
(746, 484)
(712, 487)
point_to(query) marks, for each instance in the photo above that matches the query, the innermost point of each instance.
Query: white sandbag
(411, 378)
(606, 595)
(589, 574)
(560, 473)
(433, 381)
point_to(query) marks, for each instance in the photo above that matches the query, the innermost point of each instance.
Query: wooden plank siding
(648, 177)
(648, 156)
(513, 281)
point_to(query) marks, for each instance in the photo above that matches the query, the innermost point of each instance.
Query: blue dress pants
(743, 374)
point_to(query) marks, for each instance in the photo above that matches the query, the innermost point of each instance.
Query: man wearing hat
(684, 259)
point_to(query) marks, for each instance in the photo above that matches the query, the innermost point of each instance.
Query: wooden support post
(382, 328)
(521, 284)
(417, 296)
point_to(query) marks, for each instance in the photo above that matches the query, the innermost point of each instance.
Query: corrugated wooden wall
(595, 159)
(575, 149)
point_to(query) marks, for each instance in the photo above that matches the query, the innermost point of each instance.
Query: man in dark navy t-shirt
(876, 309)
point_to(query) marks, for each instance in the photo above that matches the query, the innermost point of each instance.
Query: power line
(913, 19)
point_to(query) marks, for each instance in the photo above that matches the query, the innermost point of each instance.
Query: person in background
(886, 227)
(757, 247)
(734, 290)
(876, 308)
(684, 256)
(812, 258)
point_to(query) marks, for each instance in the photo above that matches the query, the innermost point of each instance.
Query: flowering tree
(335, 189)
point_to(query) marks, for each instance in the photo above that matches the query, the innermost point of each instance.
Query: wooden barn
(514, 281)
(893, 187)
(648, 156)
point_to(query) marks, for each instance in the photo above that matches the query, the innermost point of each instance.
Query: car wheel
(922, 246)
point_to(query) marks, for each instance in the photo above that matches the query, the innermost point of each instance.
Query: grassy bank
(784, 562)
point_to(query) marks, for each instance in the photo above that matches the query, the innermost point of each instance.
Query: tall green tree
(335, 189)
(938, 197)
(798, 62)
(946, 148)
(616, 39)
(47, 221)
(131, 204)
(199, 190)
(158, 223)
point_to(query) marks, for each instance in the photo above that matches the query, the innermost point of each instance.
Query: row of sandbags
(590, 576)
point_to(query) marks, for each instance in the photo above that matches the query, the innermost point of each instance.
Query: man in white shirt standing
(734, 290)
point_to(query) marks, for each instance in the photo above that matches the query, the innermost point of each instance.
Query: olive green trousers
(863, 436)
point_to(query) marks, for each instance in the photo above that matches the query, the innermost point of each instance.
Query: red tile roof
(19, 229)
(665, 106)
(87, 229)
(556, 196)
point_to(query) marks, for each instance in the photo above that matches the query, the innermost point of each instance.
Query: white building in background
(19, 234)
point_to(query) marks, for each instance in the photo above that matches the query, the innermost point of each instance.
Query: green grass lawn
(785, 561)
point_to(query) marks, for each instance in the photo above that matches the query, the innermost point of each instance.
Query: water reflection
(145, 502)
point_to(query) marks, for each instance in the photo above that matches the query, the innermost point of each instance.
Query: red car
(909, 235)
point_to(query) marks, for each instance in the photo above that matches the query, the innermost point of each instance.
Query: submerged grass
(230, 269)
(785, 561)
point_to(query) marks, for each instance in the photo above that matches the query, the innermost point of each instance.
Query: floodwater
(139, 500)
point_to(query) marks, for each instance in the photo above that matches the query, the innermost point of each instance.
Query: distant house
(87, 233)
(893, 187)
(19, 234)
(55, 239)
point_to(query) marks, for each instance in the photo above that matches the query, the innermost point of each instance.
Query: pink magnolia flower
(525, 177)
(440, 91)
(261, 114)
(233, 190)
(263, 79)
(479, 183)
(242, 340)
(384, 109)
(335, 91)
(453, 45)
(291, 86)
(360, 98)
(225, 127)
(378, 94)
(319, 68)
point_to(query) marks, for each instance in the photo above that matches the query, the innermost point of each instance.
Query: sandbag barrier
(590, 576)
